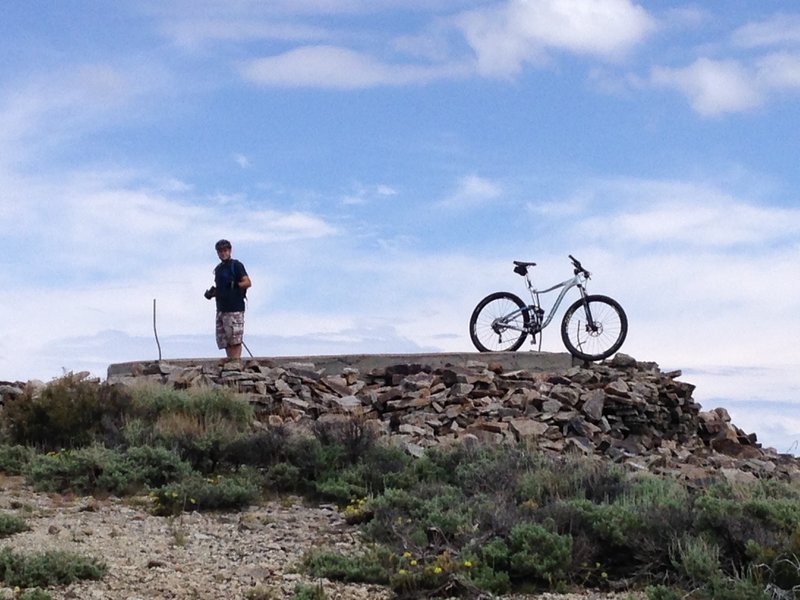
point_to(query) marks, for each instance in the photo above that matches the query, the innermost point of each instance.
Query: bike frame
(537, 323)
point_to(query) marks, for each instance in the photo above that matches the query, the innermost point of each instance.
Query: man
(230, 287)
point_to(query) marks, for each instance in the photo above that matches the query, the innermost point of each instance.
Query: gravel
(198, 556)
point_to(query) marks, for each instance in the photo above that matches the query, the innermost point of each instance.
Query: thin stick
(155, 331)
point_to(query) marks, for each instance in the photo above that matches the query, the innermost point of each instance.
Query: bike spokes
(598, 335)
(499, 323)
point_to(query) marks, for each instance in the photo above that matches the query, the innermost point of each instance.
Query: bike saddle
(521, 267)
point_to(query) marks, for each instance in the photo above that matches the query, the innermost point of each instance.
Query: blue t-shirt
(230, 297)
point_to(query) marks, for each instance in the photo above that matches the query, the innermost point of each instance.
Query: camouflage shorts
(230, 329)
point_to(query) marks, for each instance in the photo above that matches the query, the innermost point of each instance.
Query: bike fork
(590, 324)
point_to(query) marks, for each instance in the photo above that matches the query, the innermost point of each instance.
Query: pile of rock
(623, 410)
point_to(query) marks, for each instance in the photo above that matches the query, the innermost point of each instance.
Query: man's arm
(244, 282)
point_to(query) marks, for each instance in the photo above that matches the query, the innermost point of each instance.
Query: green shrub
(696, 560)
(14, 458)
(495, 554)
(197, 440)
(489, 469)
(352, 435)
(307, 591)
(47, 569)
(151, 401)
(734, 588)
(261, 449)
(491, 580)
(97, 470)
(647, 491)
(35, 594)
(83, 471)
(221, 492)
(68, 412)
(198, 424)
(373, 566)
(564, 478)
(385, 466)
(662, 592)
(11, 524)
(314, 460)
(539, 554)
(283, 477)
(155, 466)
(339, 489)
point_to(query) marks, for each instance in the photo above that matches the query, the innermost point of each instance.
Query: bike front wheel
(499, 323)
(594, 327)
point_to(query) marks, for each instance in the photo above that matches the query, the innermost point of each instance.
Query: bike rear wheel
(597, 340)
(499, 323)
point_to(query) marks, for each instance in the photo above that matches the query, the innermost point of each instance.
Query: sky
(379, 164)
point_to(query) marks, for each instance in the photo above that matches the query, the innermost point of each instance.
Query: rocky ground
(193, 556)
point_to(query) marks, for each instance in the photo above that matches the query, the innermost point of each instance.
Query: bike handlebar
(578, 267)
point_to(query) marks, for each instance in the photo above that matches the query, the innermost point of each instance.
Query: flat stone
(593, 403)
(350, 404)
(526, 429)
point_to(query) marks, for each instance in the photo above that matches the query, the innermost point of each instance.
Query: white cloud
(46, 109)
(338, 68)
(242, 161)
(779, 70)
(83, 219)
(473, 190)
(778, 30)
(193, 33)
(713, 87)
(721, 225)
(506, 36)
(362, 194)
(693, 215)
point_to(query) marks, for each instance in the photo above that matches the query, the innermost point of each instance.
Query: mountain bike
(593, 328)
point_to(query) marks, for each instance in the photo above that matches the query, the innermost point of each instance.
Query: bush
(69, 412)
(199, 440)
(696, 560)
(551, 480)
(351, 434)
(35, 594)
(314, 460)
(155, 467)
(98, 470)
(373, 566)
(11, 524)
(261, 449)
(384, 466)
(221, 492)
(539, 554)
(151, 401)
(47, 569)
(662, 592)
(14, 458)
(83, 471)
(283, 477)
(306, 591)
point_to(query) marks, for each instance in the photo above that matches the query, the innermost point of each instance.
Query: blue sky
(378, 164)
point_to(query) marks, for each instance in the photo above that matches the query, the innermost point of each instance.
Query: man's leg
(233, 349)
